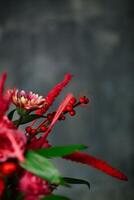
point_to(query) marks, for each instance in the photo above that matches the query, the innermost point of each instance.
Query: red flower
(4, 98)
(12, 144)
(27, 100)
(12, 141)
(34, 187)
(94, 162)
(54, 93)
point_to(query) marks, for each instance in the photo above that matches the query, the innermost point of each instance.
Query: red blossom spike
(90, 160)
(2, 82)
(54, 93)
(58, 113)
(4, 98)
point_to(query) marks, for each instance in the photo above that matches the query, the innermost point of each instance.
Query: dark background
(94, 40)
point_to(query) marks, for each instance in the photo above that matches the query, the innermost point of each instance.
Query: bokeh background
(94, 40)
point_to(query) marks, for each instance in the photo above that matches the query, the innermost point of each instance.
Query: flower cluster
(29, 101)
(26, 172)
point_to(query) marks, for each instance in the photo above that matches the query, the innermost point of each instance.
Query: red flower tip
(68, 77)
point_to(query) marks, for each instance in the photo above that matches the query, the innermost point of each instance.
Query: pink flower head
(27, 100)
(4, 98)
(34, 187)
(12, 144)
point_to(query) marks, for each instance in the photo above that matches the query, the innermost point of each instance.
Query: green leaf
(10, 115)
(28, 118)
(55, 197)
(69, 180)
(22, 111)
(41, 167)
(60, 151)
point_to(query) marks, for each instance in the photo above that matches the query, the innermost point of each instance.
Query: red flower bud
(50, 116)
(86, 100)
(69, 107)
(43, 128)
(62, 117)
(72, 113)
(33, 131)
(8, 168)
(28, 129)
(83, 100)
(72, 100)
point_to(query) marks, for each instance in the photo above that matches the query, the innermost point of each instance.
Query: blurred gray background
(41, 40)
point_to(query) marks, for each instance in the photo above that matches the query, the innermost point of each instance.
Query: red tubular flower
(4, 98)
(12, 144)
(54, 93)
(58, 113)
(87, 159)
(34, 187)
